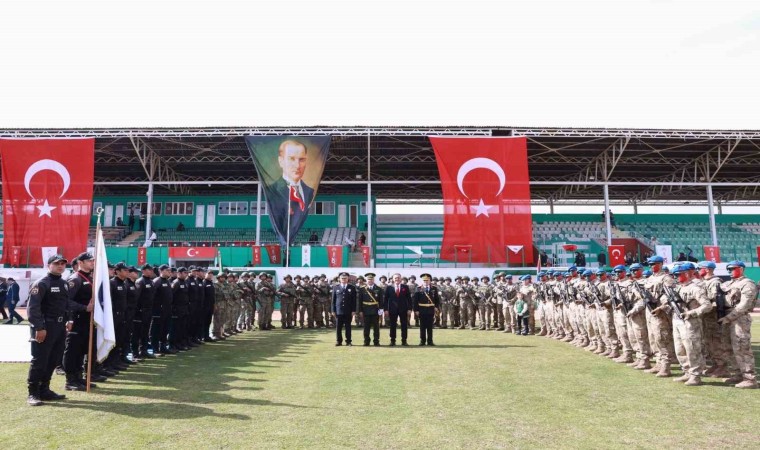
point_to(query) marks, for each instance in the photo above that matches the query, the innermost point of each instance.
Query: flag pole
(287, 240)
(98, 212)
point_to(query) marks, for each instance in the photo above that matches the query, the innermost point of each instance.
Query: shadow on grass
(149, 410)
(483, 346)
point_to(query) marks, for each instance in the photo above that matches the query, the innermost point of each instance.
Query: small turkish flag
(486, 196)
(570, 247)
(617, 254)
(184, 253)
(47, 195)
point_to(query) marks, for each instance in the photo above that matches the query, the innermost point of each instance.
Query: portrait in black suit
(289, 168)
(398, 301)
(343, 308)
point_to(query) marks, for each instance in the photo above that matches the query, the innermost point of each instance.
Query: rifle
(597, 296)
(616, 298)
(673, 299)
(563, 294)
(648, 299)
(720, 303)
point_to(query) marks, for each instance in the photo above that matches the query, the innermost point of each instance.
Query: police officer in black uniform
(129, 326)
(119, 289)
(144, 313)
(371, 305)
(194, 304)
(426, 303)
(208, 304)
(48, 309)
(343, 308)
(162, 312)
(180, 310)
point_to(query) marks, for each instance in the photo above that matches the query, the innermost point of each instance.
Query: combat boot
(747, 384)
(614, 354)
(682, 379)
(34, 394)
(720, 372)
(654, 369)
(694, 381)
(644, 364)
(48, 395)
(624, 359)
(460, 327)
(734, 379)
(665, 372)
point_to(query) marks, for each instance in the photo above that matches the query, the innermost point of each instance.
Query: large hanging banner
(47, 195)
(290, 169)
(486, 196)
(666, 251)
(712, 253)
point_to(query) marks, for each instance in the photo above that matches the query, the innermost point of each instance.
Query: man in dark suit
(343, 307)
(289, 195)
(427, 301)
(398, 301)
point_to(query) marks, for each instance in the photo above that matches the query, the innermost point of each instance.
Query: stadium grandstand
(198, 188)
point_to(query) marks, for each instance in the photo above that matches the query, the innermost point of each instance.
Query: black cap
(425, 276)
(133, 269)
(84, 256)
(57, 258)
(163, 267)
(120, 266)
(146, 267)
(173, 269)
(191, 268)
(343, 274)
(111, 266)
(182, 270)
(369, 275)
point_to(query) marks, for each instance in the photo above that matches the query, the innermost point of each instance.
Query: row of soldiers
(635, 316)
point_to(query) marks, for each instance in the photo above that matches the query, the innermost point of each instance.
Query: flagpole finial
(99, 212)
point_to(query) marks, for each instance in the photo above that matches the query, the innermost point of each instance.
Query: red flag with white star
(486, 196)
(47, 195)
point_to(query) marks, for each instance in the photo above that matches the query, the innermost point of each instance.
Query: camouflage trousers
(717, 340)
(326, 311)
(445, 312)
(687, 338)
(639, 324)
(306, 307)
(287, 313)
(220, 313)
(485, 320)
(623, 332)
(588, 319)
(246, 314)
(233, 313)
(507, 310)
(266, 306)
(740, 333)
(661, 330)
(467, 314)
(607, 328)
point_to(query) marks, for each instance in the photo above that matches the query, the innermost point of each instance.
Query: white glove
(379, 312)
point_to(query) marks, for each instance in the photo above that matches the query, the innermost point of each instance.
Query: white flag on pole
(415, 249)
(306, 256)
(103, 312)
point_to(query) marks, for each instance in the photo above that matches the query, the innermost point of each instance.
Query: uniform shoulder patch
(71, 283)
(35, 290)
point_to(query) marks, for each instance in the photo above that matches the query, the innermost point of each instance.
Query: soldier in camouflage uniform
(660, 320)
(237, 303)
(233, 306)
(447, 293)
(287, 293)
(717, 343)
(305, 295)
(323, 299)
(510, 297)
(466, 298)
(483, 294)
(741, 294)
(265, 294)
(244, 322)
(687, 325)
(220, 306)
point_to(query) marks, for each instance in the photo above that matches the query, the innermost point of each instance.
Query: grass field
(295, 389)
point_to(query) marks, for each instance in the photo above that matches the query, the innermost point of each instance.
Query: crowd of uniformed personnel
(634, 316)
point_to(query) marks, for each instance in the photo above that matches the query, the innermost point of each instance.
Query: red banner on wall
(712, 253)
(192, 252)
(142, 255)
(617, 254)
(15, 256)
(47, 194)
(335, 255)
(256, 255)
(366, 255)
(486, 196)
(274, 252)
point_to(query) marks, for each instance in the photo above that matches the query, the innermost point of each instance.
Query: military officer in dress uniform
(426, 302)
(343, 308)
(371, 305)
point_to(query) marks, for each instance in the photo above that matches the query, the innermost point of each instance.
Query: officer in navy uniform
(427, 302)
(371, 305)
(48, 309)
(343, 308)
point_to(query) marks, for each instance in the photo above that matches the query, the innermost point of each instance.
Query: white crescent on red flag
(47, 195)
(185, 253)
(617, 254)
(486, 197)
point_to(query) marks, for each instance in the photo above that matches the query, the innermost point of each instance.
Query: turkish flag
(47, 194)
(712, 253)
(335, 255)
(256, 255)
(617, 254)
(275, 253)
(486, 196)
(183, 253)
(142, 255)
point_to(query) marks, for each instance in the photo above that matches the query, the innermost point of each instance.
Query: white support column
(369, 204)
(607, 213)
(711, 211)
(258, 214)
(149, 215)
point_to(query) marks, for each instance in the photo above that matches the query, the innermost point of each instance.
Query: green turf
(295, 389)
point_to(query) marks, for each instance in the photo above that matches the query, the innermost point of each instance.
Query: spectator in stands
(348, 241)
(180, 226)
(580, 259)
(313, 239)
(601, 258)
(544, 259)
(131, 220)
(362, 240)
(143, 219)
(3, 291)
(681, 257)
(628, 258)
(119, 222)
(612, 219)
(12, 298)
(653, 242)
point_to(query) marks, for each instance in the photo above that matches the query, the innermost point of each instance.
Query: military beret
(735, 264)
(84, 256)
(706, 265)
(647, 273)
(687, 266)
(572, 269)
(525, 277)
(655, 259)
(636, 266)
(588, 272)
(600, 271)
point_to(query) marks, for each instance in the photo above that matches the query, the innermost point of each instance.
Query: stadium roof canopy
(567, 166)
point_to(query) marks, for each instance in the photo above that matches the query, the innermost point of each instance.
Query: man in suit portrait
(398, 301)
(289, 194)
(343, 307)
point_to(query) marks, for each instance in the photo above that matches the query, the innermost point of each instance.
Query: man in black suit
(426, 304)
(289, 195)
(398, 301)
(343, 307)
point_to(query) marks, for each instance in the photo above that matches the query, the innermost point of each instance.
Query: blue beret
(599, 271)
(525, 277)
(636, 266)
(687, 266)
(706, 265)
(647, 273)
(655, 259)
(572, 269)
(734, 264)
(588, 272)
(619, 268)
